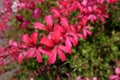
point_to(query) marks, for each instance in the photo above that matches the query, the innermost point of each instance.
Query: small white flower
(14, 6)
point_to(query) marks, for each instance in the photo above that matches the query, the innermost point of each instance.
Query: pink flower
(30, 5)
(111, 1)
(37, 13)
(32, 49)
(56, 13)
(2, 26)
(116, 76)
(24, 24)
(20, 18)
(54, 42)
(49, 23)
(30, 40)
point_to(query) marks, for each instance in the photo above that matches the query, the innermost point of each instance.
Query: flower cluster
(57, 36)
(52, 33)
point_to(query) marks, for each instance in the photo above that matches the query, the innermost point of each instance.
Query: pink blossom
(54, 43)
(116, 76)
(49, 23)
(37, 13)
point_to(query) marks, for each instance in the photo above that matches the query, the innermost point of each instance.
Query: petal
(95, 78)
(66, 49)
(74, 38)
(52, 56)
(113, 77)
(40, 26)
(68, 42)
(33, 38)
(88, 32)
(61, 55)
(117, 71)
(84, 33)
(57, 33)
(37, 13)
(43, 51)
(56, 13)
(30, 53)
(49, 21)
(25, 38)
(13, 43)
(38, 56)
(20, 58)
(1, 61)
(64, 23)
(47, 42)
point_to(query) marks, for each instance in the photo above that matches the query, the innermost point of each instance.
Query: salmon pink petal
(40, 26)
(66, 49)
(25, 38)
(52, 56)
(61, 55)
(47, 42)
(38, 56)
(49, 21)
